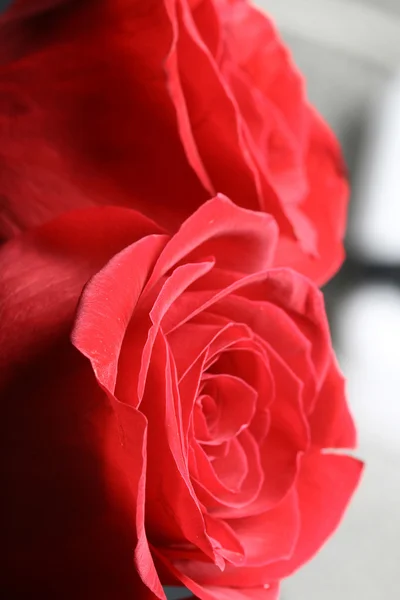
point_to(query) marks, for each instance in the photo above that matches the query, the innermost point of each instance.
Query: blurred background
(349, 53)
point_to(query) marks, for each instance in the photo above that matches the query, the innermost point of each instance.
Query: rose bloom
(158, 105)
(188, 435)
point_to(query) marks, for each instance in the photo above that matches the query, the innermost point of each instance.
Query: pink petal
(213, 115)
(220, 500)
(332, 425)
(213, 592)
(275, 325)
(271, 534)
(164, 307)
(327, 178)
(233, 468)
(107, 306)
(304, 303)
(227, 543)
(174, 519)
(239, 240)
(203, 336)
(236, 403)
(325, 486)
(224, 593)
(133, 432)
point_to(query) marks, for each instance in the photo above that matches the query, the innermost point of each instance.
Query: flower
(186, 99)
(199, 439)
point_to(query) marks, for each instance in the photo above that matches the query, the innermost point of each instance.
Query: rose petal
(236, 404)
(280, 460)
(189, 388)
(172, 518)
(264, 538)
(332, 425)
(195, 301)
(223, 124)
(211, 592)
(53, 264)
(288, 437)
(44, 271)
(226, 542)
(304, 303)
(287, 413)
(274, 325)
(107, 306)
(204, 335)
(271, 534)
(133, 431)
(224, 593)
(249, 360)
(327, 178)
(325, 486)
(76, 144)
(239, 240)
(206, 18)
(178, 98)
(67, 511)
(233, 468)
(173, 287)
(212, 493)
(253, 42)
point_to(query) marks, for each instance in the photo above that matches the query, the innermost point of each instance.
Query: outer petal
(213, 592)
(132, 427)
(325, 486)
(64, 472)
(76, 144)
(214, 115)
(106, 309)
(257, 61)
(254, 44)
(107, 306)
(222, 593)
(271, 534)
(293, 140)
(69, 530)
(240, 240)
(44, 271)
(332, 425)
(325, 206)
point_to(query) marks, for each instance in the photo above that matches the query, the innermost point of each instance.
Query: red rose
(193, 448)
(157, 106)
(21, 9)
